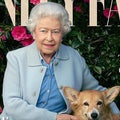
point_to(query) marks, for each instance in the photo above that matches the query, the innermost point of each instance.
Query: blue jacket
(24, 75)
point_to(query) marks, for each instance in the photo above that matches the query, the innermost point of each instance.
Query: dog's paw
(116, 117)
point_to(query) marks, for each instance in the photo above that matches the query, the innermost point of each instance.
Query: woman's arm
(14, 104)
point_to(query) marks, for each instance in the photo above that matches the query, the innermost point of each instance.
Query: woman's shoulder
(20, 51)
(71, 53)
(69, 50)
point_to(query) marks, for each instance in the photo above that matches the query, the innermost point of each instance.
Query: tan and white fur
(92, 104)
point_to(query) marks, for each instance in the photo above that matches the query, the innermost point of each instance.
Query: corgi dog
(92, 104)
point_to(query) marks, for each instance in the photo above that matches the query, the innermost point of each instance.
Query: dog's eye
(99, 103)
(86, 104)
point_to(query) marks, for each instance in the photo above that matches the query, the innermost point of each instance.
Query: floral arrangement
(99, 45)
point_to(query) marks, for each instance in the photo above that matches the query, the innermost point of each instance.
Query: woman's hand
(66, 117)
(116, 117)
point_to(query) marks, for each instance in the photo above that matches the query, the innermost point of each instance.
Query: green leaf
(97, 69)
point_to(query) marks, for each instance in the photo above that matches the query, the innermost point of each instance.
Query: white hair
(42, 10)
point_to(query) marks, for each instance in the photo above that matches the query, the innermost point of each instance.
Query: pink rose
(35, 2)
(27, 40)
(106, 13)
(115, 8)
(78, 9)
(87, 1)
(18, 33)
(0, 109)
(3, 37)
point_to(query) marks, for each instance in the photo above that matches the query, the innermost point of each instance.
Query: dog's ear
(71, 94)
(111, 93)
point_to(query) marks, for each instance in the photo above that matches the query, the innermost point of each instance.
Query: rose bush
(100, 45)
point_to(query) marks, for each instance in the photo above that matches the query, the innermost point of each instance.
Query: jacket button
(41, 70)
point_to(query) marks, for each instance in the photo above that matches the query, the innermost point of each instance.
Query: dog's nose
(94, 115)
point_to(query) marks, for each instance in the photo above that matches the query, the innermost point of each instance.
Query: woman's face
(48, 35)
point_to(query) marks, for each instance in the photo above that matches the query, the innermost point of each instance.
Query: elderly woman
(36, 74)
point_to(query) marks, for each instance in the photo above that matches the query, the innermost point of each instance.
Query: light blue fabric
(24, 75)
(50, 97)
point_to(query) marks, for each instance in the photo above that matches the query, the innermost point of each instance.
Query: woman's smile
(49, 46)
